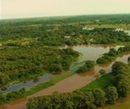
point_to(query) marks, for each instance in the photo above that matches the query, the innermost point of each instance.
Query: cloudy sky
(37, 8)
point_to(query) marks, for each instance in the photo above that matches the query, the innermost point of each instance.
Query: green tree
(112, 52)
(123, 87)
(102, 71)
(111, 94)
(66, 101)
(55, 68)
(3, 79)
(89, 64)
(99, 95)
(2, 98)
(118, 66)
(83, 99)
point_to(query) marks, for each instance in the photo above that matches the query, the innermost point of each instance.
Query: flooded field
(76, 81)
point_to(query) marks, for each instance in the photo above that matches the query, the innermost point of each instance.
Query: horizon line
(52, 16)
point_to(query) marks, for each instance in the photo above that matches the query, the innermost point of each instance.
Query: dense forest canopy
(22, 63)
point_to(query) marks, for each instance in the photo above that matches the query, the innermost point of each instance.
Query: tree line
(52, 32)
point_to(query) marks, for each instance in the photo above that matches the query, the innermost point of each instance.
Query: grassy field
(101, 82)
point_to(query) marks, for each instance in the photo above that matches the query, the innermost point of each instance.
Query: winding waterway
(76, 81)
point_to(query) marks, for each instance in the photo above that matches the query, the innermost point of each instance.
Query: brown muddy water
(76, 81)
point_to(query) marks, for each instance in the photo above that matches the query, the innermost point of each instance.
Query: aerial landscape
(54, 57)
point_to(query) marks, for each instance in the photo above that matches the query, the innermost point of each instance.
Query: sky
(43, 8)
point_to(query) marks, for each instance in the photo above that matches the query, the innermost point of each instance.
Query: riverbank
(60, 87)
(23, 92)
(70, 82)
(106, 83)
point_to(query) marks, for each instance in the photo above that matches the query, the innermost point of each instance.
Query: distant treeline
(53, 31)
(111, 18)
(61, 35)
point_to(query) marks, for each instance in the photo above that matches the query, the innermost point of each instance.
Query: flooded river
(76, 81)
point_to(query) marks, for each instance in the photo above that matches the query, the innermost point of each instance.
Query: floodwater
(76, 81)
(88, 53)
(28, 84)
(93, 52)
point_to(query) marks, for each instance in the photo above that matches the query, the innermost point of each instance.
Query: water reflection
(28, 84)
(93, 52)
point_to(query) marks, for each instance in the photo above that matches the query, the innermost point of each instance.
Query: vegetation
(29, 62)
(53, 31)
(26, 45)
(12, 96)
(113, 54)
(33, 90)
(30, 47)
(101, 82)
(89, 99)
(88, 65)
(111, 94)
(121, 81)
(122, 103)
(102, 72)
